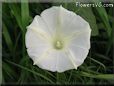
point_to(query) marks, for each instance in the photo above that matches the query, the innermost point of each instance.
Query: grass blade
(99, 76)
(7, 38)
(103, 15)
(15, 11)
(8, 70)
(25, 13)
(27, 69)
(98, 62)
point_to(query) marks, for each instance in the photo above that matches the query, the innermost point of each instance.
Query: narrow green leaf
(61, 78)
(8, 70)
(15, 10)
(25, 20)
(24, 13)
(104, 17)
(101, 26)
(7, 38)
(27, 69)
(98, 62)
(99, 76)
(102, 56)
(50, 74)
(111, 18)
(70, 76)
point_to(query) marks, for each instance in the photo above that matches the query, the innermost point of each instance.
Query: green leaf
(7, 38)
(98, 76)
(61, 78)
(8, 70)
(24, 13)
(104, 17)
(29, 70)
(98, 62)
(102, 57)
(15, 10)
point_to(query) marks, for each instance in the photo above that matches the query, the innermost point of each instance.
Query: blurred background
(18, 68)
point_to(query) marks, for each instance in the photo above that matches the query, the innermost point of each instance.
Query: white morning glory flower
(58, 39)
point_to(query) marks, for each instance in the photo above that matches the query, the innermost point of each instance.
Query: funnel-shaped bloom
(58, 39)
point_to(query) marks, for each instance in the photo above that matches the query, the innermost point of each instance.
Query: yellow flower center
(58, 44)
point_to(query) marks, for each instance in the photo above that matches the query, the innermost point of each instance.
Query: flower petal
(52, 17)
(36, 45)
(73, 23)
(33, 39)
(55, 61)
(63, 62)
(59, 18)
(36, 53)
(48, 60)
(78, 53)
(39, 25)
(81, 40)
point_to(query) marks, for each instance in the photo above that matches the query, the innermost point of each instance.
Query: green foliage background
(18, 67)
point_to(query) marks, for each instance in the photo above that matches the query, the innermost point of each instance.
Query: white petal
(81, 40)
(63, 62)
(39, 25)
(33, 39)
(52, 17)
(73, 23)
(59, 18)
(36, 52)
(55, 61)
(36, 45)
(48, 61)
(78, 54)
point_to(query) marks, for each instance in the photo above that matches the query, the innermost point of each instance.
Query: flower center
(58, 45)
